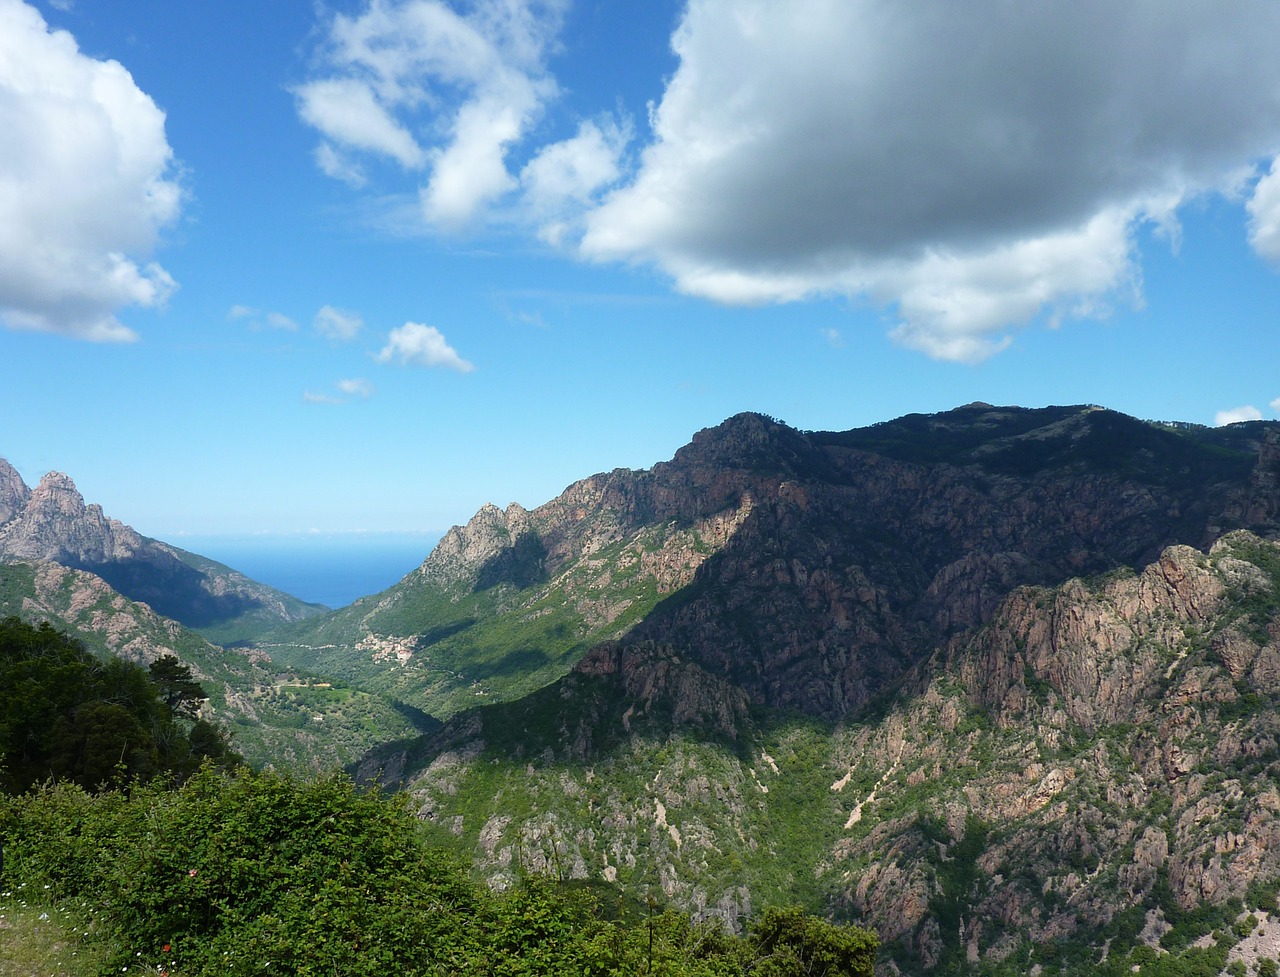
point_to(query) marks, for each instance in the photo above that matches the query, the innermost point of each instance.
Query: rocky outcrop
(13, 492)
(55, 524)
(1111, 735)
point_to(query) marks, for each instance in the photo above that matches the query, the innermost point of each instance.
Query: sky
(362, 266)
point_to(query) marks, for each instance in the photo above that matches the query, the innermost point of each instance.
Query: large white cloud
(86, 185)
(429, 87)
(971, 165)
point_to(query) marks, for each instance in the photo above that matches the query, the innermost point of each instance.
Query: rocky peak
(55, 524)
(57, 492)
(747, 441)
(464, 551)
(13, 492)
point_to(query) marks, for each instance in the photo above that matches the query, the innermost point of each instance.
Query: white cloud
(1264, 214)
(1275, 404)
(565, 176)
(1237, 414)
(356, 387)
(86, 185)
(258, 320)
(337, 323)
(338, 165)
(972, 166)
(426, 86)
(347, 111)
(415, 344)
(308, 397)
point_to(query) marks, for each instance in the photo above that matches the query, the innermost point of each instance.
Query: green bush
(233, 874)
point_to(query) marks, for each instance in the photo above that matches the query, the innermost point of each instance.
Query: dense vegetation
(68, 715)
(123, 824)
(277, 715)
(247, 873)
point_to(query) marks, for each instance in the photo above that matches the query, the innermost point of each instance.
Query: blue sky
(292, 267)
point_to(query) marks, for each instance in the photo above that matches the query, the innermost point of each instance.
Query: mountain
(1096, 770)
(277, 716)
(812, 570)
(996, 681)
(53, 523)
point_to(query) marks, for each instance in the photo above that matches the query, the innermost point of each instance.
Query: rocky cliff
(53, 523)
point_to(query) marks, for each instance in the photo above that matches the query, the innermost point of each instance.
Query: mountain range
(53, 523)
(1000, 682)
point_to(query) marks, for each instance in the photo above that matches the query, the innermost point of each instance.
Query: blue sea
(333, 570)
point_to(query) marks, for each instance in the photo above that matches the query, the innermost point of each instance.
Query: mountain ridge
(52, 522)
(919, 524)
(1001, 682)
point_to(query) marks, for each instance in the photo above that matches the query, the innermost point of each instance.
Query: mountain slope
(998, 682)
(1096, 767)
(507, 603)
(53, 523)
(277, 717)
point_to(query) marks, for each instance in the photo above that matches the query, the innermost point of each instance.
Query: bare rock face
(55, 524)
(657, 680)
(13, 492)
(1170, 773)
(465, 552)
(863, 551)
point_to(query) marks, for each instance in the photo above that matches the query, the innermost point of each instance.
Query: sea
(330, 569)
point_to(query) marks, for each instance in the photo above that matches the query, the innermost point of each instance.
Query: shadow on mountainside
(176, 591)
(523, 565)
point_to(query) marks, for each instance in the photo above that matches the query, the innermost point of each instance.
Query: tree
(790, 943)
(178, 689)
(67, 714)
(101, 744)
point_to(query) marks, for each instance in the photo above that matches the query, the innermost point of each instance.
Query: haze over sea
(332, 569)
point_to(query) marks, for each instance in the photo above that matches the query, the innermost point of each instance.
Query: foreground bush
(255, 872)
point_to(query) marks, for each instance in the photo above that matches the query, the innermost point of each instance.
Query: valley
(999, 683)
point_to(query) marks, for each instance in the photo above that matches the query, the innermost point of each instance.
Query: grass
(39, 938)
